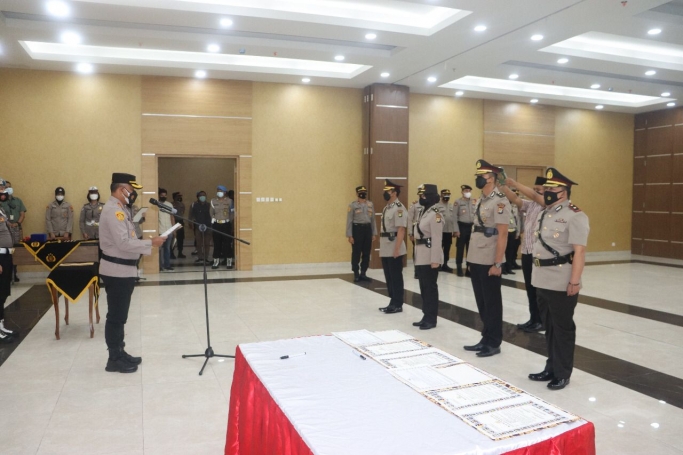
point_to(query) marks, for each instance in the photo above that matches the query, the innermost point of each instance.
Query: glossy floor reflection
(63, 401)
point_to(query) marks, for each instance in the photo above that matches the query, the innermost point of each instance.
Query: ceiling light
(480, 28)
(534, 101)
(225, 22)
(431, 79)
(370, 36)
(654, 31)
(85, 68)
(595, 86)
(58, 8)
(654, 425)
(599, 107)
(70, 38)
(339, 58)
(200, 74)
(213, 48)
(562, 61)
(459, 93)
(536, 37)
(513, 76)
(591, 399)
(650, 72)
(385, 74)
(671, 104)
(306, 80)
(665, 94)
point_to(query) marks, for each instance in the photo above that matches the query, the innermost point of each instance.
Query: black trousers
(429, 290)
(220, 243)
(463, 242)
(361, 248)
(489, 302)
(527, 267)
(393, 274)
(446, 242)
(231, 242)
(202, 242)
(5, 281)
(119, 292)
(180, 238)
(511, 249)
(557, 311)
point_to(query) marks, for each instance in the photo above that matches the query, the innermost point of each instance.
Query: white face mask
(9, 191)
(125, 196)
(220, 194)
(93, 197)
(467, 195)
(60, 198)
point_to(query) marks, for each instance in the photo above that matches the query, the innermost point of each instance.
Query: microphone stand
(208, 353)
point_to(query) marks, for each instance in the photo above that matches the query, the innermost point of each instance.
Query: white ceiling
(606, 42)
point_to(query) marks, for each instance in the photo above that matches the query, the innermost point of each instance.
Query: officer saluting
(559, 256)
(413, 214)
(361, 232)
(59, 217)
(429, 255)
(90, 215)
(486, 257)
(392, 248)
(121, 250)
(464, 217)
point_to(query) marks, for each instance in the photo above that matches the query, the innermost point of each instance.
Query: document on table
(470, 395)
(424, 379)
(425, 357)
(465, 373)
(358, 337)
(138, 216)
(393, 348)
(391, 336)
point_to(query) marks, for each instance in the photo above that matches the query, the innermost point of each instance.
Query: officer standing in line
(361, 231)
(464, 217)
(514, 231)
(121, 250)
(15, 209)
(59, 217)
(90, 215)
(231, 230)
(392, 247)
(429, 255)
(134, 209)
(180, 233)
(486, 257)
(6, 250)
(450, 228)
(559, 258)
(220, 217)
(413, 214)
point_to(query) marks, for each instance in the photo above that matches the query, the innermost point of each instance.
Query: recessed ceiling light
(225, 22)
(201, 74)
(654, 31)
(594, 86)
(665, 94)
(671, 104)
(213, 48)
(385, 74)
(459, 93)
(431, 79)
(513, 76)
(71, 38)
(58, 8)
(480, 28)
(562, 61)
(650, 72)
(339, 58)
(536, 37)
(370, 36)
(85, 68)
(654, 425)
(306, 80)
(534, 101)
(599, 106)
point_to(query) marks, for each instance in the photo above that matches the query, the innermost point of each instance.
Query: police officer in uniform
(6, 270)
(59, 217)
(15, 209)
(413, 214)
(180, 233)
(485, 258)
(121, 250)
(134, 209)
(361, 232)
(464, 217)
(429, 255)
(220, 217)
(90, 215)
(514, 231)
(392, 248)
(450, 228)
(559, 257)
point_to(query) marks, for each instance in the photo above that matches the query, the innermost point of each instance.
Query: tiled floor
(56, 398)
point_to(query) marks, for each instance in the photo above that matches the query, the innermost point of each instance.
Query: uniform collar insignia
(558, 208)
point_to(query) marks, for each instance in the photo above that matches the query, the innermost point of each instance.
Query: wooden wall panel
(521, 150)
(638, 229)
(637, 246)
(657, 198)
(518, 118)
(678, 138)
(196, 136)
(677, 168)
(658, 169)
(660, 140)
(389, 94)
(640, 143)
(639, 199)
(658, 226)
(639, 170)
(661, 249)
(676, 234)
(390, 125)
(676, 250)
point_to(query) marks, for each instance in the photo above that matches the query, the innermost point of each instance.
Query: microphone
(162, 207)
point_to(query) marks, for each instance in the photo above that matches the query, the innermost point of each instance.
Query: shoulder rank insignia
(574, 208)
(435, 208)
(500, 195)
(558, 208)
(349, 208)
(400, 213)
(501, 208)
(398, 204)
(100, 208)
(120, 216)
(438, 218)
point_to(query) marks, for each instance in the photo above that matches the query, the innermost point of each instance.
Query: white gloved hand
(213, 220)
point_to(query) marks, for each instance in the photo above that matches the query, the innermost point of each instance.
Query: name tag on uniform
(358, 210)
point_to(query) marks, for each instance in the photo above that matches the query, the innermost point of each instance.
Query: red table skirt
(257, 425)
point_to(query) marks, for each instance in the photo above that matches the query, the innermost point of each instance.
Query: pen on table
(358, 354)
(289, 356)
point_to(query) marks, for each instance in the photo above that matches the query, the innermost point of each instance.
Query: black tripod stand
(208, 353)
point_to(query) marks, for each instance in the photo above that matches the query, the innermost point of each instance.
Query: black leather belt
(119, 260)
(468, 224)
(362, 224)
(427, 242)
(390, 235)
(568, 258)
(487, 231)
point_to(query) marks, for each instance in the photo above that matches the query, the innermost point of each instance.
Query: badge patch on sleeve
(438, 218)
(120, 216)
(400, 213)
(501, 208)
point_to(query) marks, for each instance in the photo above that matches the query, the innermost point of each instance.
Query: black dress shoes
(533, 328)
(384, 308)
(525, 325)
(356, 278)
(467, 272)
(488, 351)
(459, 272)
(542, 376)
(476, 347)
(558, 384)
(445, 268)
(393, 309)
(418, 324)
(364, 277)
(516, 266)
(427, 325)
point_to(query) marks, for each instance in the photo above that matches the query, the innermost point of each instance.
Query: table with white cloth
(330, 401)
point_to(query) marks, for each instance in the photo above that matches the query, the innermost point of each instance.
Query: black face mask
(429, 200)
(162, 199)
(386, 196)
(446, 199)
(132, 197)
(179, 199)
(480, 182)
(362, 195)
(550, 198)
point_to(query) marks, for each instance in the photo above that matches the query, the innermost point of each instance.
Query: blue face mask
(202, 198)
